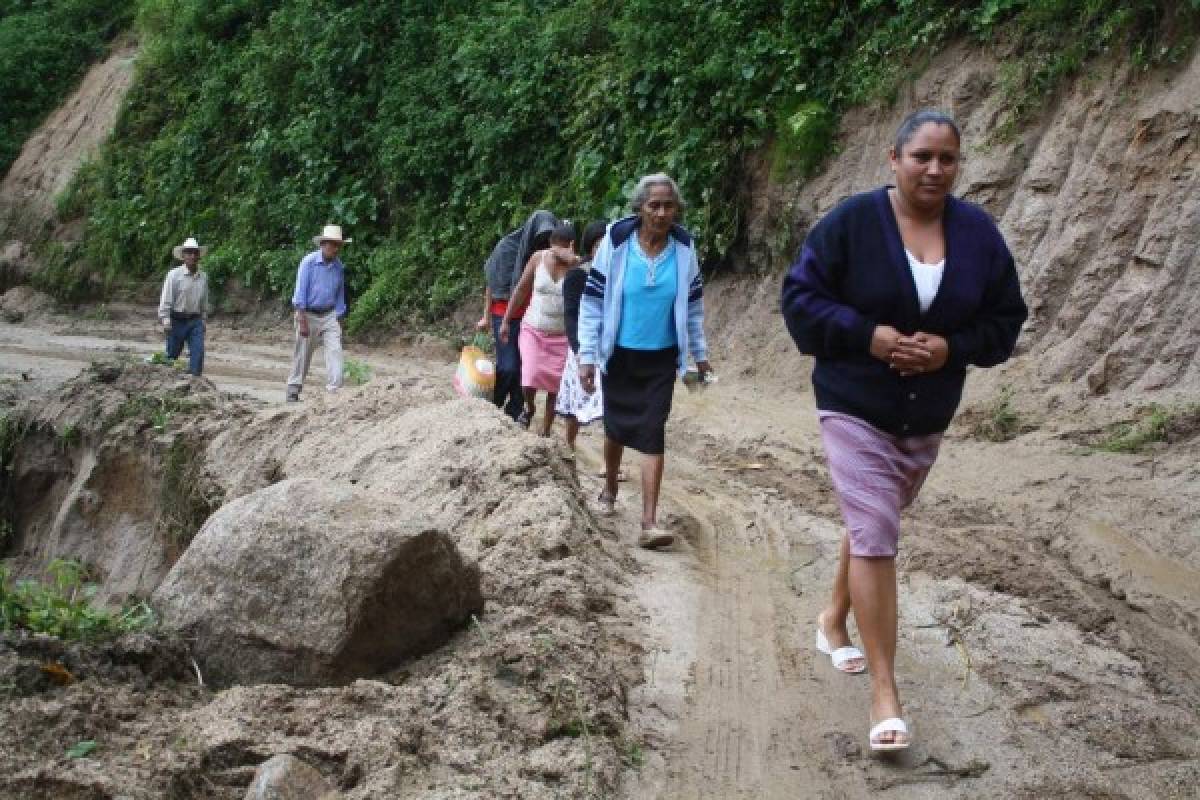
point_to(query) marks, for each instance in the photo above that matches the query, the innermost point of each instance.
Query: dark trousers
(190, 331)
(508, 368)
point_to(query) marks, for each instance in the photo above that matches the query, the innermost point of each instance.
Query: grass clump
(356, 372)
(68, 437)
(1000, 421)
(159, 358)
(63, 606)
(633, 754)
(153, 410)
(62, 275)
(803, 140)
(186, 499)
(1155, 424)
(13, 427)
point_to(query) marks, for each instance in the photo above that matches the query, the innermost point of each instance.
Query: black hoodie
(504, 266)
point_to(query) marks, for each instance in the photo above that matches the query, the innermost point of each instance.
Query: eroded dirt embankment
(56, 150)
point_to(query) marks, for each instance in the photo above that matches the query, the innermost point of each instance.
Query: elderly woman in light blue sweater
(642, 314)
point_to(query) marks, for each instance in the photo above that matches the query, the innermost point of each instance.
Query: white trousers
(322, 329)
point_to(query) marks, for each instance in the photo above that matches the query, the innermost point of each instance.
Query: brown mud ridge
(1049, 630)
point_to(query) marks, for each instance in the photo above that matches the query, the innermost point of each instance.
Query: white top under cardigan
(927, 277)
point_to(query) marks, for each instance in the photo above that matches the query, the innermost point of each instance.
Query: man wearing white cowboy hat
(183, 306)
(319, 301)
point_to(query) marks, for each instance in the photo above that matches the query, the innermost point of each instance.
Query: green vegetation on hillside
(429, 129)
(45, 46)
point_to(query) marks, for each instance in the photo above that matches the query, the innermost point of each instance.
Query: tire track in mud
(737, 676)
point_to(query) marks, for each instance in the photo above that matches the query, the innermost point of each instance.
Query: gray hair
(913, 122)
(642, 190)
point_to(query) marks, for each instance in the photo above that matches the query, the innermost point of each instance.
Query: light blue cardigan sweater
(600, 308)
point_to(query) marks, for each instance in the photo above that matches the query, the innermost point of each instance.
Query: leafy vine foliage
(429, 129)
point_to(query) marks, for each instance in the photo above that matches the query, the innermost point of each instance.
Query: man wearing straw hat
(319, 301)
(183, 305)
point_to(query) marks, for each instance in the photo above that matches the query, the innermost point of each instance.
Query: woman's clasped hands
(909, 355)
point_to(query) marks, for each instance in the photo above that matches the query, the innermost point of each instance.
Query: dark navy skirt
(638, 388)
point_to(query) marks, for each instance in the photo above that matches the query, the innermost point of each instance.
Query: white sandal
(889, 725)
(840, 656)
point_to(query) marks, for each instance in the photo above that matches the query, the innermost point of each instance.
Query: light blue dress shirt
(320, 284)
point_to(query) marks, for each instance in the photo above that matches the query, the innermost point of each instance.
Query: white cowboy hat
(189, 243)
(331, 233)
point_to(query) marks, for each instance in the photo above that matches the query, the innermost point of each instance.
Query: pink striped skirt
(543, 356)
(876, 476)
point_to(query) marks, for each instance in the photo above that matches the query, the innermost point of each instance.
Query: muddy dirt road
(1050, 629)
(251, 360)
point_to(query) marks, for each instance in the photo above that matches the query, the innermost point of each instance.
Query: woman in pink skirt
(543, 338)
(896, 292)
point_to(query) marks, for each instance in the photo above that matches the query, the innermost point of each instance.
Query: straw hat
(189, 244)
(331, 233)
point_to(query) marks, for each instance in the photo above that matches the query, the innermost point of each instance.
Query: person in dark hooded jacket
(503, 270)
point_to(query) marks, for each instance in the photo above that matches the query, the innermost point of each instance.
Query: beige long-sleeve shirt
(184, 293)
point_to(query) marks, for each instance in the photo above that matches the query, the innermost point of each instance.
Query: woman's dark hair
(563, 233)
(592, 234)
(913, 122)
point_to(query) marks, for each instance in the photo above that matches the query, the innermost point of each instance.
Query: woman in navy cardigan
(895, 292)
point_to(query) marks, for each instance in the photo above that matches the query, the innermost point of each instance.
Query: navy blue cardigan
(852, 274)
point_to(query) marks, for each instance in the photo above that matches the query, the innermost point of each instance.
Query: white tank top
(927, 277)
(545, 310)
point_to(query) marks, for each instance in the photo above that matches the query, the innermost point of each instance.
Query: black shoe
(525, 419)
(293, 394)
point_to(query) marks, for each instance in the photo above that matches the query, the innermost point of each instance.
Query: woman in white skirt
(575, 405)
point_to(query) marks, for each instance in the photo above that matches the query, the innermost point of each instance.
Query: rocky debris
(312, 582)
(288, 778)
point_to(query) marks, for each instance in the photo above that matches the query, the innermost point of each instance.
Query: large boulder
(310, 582)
